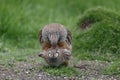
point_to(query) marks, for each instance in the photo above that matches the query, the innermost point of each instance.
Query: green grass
(103, 33)
(100, 41)
(12, 54)
(61, 71)
(21, 20)
(113, 69)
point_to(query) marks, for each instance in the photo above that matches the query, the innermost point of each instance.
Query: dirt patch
(6, 74)
(86, 23)
(92, 70)
(89, 70)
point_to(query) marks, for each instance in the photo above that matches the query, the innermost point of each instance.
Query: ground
(30, 70)
(21, 20)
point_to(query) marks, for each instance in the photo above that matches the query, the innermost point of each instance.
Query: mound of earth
(101, 31)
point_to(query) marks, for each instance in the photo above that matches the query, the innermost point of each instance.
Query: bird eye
(56, 55)
(50, 54)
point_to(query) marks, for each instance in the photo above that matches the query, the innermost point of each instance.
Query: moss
(103, 35)
(98, 14)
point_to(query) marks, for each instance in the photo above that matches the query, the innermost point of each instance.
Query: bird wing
(40, 36)
(69, 37)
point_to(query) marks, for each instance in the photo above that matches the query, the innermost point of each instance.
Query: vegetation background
(21, 20)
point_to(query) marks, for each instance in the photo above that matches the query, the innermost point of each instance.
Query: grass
(113, 69)
(20, 22)
(99, 35)
(103, 33)
(12, 54)
(61, 71)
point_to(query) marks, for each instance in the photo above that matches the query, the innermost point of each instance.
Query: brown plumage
(55, 36)
(56, 57)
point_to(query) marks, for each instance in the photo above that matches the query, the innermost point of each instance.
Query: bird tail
(53, 38)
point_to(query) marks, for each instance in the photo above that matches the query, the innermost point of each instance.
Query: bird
(56, 57)
(55, 35)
